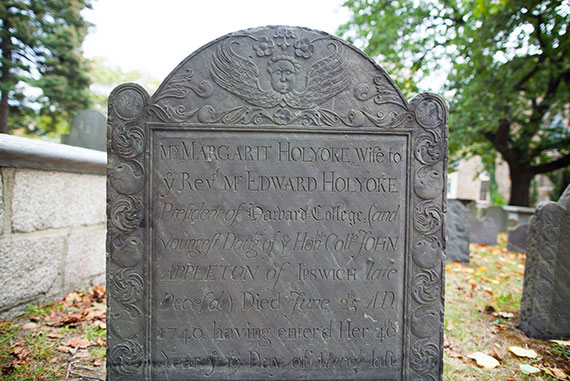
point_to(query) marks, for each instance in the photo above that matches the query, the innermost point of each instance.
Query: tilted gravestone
(484, 230)
(458, 228)
(517, 238)
(87, 130)
(545, 303)
(275, 211)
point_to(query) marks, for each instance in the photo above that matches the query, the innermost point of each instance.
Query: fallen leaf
(457, 355)
(562, 343)
(77, 342)
(488, 291)
(522, 352)
(30, 326)
(558, 373)
(504, 314)
(484, 360)
(495, 354)
(528, 369)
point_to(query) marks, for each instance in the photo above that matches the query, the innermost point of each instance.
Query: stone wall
(52, 221)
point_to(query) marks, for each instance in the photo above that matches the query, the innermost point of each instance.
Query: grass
(54, 342)
(481, 312)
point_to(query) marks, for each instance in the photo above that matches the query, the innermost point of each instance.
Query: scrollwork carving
(382, 91)
(180, 85)
(426, 286)
(126, 357)
(428, 149)
(127, 213)
(128, 141)
(424, 356)
(428, 217)
(127, 286)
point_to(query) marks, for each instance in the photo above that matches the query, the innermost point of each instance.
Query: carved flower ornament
(304, 48)
(263, 47)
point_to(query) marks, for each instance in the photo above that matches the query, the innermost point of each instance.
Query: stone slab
(29, 268)
(545, 302)
(46, 199)
(517, 238)
(500, 215)
(458, 229)
(276, 211)
(484, 230)
(85, 257)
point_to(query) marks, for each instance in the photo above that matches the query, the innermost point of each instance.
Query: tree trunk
(521, 176)
(6, 48)
(4, 111)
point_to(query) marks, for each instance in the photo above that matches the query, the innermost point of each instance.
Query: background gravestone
(458, 228)
(545, 303)
(499, 215)
(484, 230)
(88, 130)
(275, 212)
(517, 238)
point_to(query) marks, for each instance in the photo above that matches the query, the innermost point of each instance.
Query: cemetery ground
(66, 340)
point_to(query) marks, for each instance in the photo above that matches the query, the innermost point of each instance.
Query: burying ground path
(66, 340)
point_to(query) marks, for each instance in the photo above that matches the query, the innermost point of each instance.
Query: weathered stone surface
(28, 268)
(483, 230)
(500, 215)
(45, 199)
(85, 257)
(545, 303)
(268, 208)
(88, 130)
(458, 228)
(517, 238)
(1, 203)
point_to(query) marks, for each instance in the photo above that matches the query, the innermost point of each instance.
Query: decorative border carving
(126, 277)
(426, 272)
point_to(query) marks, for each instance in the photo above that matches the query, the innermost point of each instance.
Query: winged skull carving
(240, 76)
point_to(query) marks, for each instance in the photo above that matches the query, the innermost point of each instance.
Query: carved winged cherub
(240, 76)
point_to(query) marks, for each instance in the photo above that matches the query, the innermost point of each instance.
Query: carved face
(282, 76)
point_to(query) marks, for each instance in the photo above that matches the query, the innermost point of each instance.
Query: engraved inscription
(245, 262)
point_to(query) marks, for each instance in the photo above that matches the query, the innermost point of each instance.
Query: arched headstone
(276, 211)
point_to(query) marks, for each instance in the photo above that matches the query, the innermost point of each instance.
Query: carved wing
(240, 76)
(325, 79)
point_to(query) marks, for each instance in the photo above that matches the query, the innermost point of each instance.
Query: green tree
(508, 72)
(40, 41)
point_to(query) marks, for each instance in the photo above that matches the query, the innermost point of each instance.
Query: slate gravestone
(517, 238)
(500, 215)
(458, 228)
(484, 230)
(87, 130)
(275, 212)
(545, 303)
